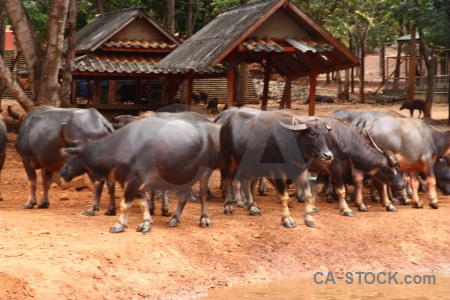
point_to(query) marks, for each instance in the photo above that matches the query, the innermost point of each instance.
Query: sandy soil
(57, 253)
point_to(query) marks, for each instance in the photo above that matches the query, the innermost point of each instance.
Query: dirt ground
(57, 253)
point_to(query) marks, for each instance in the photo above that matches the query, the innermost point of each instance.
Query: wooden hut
(274, 33)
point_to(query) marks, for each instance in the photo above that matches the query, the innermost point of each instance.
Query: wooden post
(112, 93)
(412, 65)
(230, 80)
(265, 95)
(312, 85)
(138, 99)
(96, 97)
(189, 90)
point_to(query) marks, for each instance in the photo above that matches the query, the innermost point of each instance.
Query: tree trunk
(28, 43)
(51, 61)
(362, 70)
(430, 63)
(14, 87)
(346, 95)
(412, 65)
(189, 20)
(171, 15)
(397, 66)
(67, 76)
(382, 63)
(100, 7)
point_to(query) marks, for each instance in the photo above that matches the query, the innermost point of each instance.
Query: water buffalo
(351, 151)
(153, 152)
(416, 145)
(39, 145)
(277, 145)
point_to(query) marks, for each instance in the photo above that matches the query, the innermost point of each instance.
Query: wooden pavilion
(274, 33)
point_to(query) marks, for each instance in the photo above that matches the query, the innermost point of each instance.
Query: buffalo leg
(283, 195)
(183, 196)
(416, 203)
(247, 188)
(302, 183)
(358, 178)
(165, 205)
(382, 190)
(204, 219)
(112, 198)
(339, 186)
(32, 180)
(125, 204)
(147, 222)
(47, 177)
(432, 195)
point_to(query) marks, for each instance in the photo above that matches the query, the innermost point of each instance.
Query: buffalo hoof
(254, 211)
(330, 199)
(391, 208)
(363, 209)
(348, 214)
(434, 205)
(405, 202)
(262, 193)
(417, 205)
(118, 228)
(43, 205)
(110, 212)
(211, 197)
(89, 213)
(315, 210)
(376, 200)
(309, 223)
(166, 213)
(240, 204)
(28, 206)
(144, 227)
(194, 200)
(289, 223)
(173, 222)
(205, 222)
(300, 199)
(228, 211)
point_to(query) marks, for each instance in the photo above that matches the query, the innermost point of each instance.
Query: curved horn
(295, 127)
(382, 150)
(13, 114)
(113, 118)
(67, 142)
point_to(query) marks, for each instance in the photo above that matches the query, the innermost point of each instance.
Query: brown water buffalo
(277, 145)
(416, 145)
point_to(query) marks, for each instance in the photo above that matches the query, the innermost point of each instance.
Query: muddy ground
(57, 253)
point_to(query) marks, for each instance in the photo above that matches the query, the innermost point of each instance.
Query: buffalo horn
(67, 142)
(381, 150)
(113, 118)
(13, 114)
(295, 127)
(373, 143)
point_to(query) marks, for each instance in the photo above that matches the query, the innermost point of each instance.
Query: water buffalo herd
(174, 151)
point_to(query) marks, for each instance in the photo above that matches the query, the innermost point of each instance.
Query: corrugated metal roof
(146, 44)
(104, 26)
(222, 35)
(200, 50)
(127, 63)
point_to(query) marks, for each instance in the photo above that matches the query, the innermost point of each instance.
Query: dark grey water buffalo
(39, 145)
(416, 145)
(3, 142)
(277, 145)
(351, 151)
(153, 152)
(360, 120)
(442, 173)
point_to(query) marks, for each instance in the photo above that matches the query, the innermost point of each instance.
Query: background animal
(39, 145)
(413, 105)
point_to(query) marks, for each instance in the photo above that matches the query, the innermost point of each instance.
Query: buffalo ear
(73, 150)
